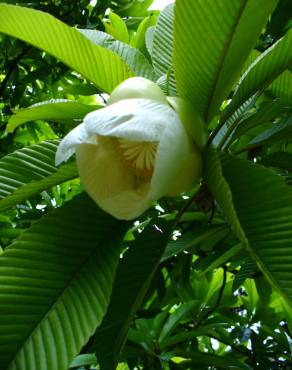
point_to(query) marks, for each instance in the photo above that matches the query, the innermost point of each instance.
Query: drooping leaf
(224, 129)
(266, 112)
(266, 68)
(140, 262)
(99, 65)
(278, 159)
(55, 109)
(280, 132)
(258, 204)
(212, 42)
(28, 171)
(55, 285)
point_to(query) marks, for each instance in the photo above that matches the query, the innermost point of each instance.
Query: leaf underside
(55, 285)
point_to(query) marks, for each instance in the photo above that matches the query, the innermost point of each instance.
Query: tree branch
(12, 65)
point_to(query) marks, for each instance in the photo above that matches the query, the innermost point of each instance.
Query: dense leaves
(199, 281)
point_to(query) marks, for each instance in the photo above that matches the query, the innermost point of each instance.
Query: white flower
(131, 153)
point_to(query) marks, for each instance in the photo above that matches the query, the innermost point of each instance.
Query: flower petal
(178, 162)
(109, 182)
(133, 119)
(67, 146)
(137, 87)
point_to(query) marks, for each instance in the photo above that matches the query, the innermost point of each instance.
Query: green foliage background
(202, 281)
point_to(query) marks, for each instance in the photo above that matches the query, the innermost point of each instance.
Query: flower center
(138, 155)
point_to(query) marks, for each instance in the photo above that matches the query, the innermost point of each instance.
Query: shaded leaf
(141, 261)
(279, 132)
(267, 112)
(248, 268)
(278, 159)
(60, 293)
(281, 87)
(258, 204)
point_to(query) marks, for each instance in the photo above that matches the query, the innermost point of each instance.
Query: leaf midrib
(223, 58)
(56, 301)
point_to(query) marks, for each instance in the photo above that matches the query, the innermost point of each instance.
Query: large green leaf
(55, 285)
(101, 66)
(266, 68)
(212, 41)
(55, 109)
(133, 57)
(140, 262)
(263, 202)
(258, 204)
(28, 171)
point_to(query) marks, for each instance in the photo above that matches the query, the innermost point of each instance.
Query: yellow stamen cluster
(138, 155)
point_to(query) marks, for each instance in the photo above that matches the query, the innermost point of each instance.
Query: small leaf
(117, 28)
(55, 109)
(28, 171)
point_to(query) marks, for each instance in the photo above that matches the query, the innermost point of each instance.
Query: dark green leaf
(133, 277)
(55, 285)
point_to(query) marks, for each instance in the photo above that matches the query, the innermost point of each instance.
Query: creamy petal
(66, 148)
(133, 119)
(188, 175)
(175, 169)
(109, 182)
